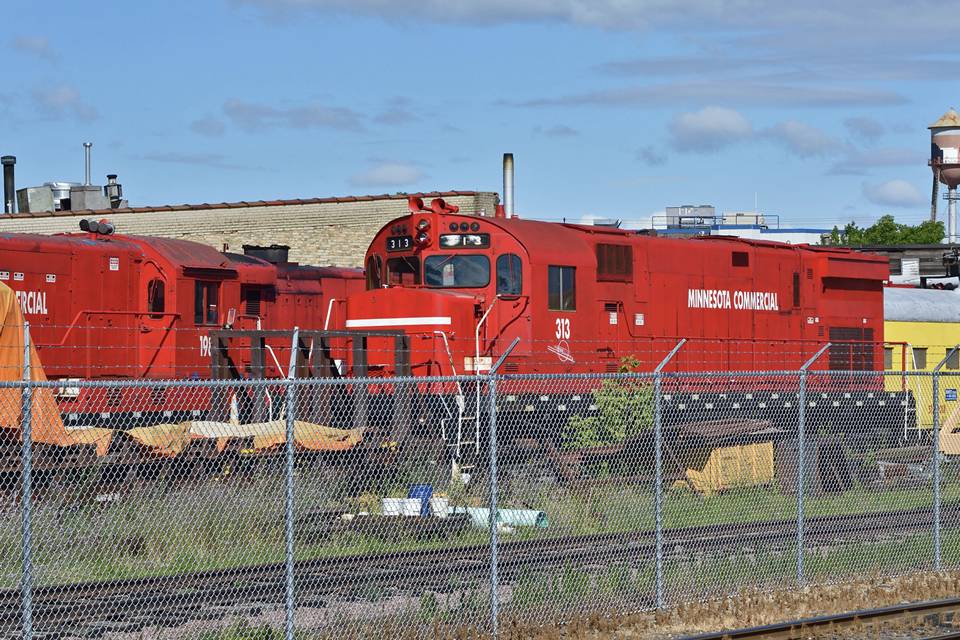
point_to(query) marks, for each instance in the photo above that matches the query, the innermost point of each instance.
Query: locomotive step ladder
(466, 444)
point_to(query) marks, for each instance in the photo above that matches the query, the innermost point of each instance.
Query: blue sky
(612, 108)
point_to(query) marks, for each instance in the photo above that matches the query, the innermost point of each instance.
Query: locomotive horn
(93, 226)
(105, 227)
(85, 225)
(414, 204)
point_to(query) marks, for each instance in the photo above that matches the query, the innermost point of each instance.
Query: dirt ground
(751, 609)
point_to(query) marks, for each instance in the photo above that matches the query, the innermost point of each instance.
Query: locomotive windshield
(456, 271)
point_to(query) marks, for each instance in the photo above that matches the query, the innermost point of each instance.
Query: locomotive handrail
(476, 335)
(326, 321)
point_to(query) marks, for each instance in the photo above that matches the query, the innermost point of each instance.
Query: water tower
(945, 162)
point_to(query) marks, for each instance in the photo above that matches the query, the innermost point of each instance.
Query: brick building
(320, 231)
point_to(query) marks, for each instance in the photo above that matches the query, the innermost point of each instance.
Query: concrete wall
(334, 231)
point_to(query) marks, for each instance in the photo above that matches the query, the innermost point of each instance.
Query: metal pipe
(26, 505)
(288, 502)
(952, 215)
(508, 184)
(494, 543)
(86, 162)
(9, 185)
(658, 471)
(492, 450)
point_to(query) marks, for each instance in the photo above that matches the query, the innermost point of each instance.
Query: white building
(701, 220)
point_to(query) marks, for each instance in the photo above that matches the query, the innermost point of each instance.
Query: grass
(221, 524)
(618, 587)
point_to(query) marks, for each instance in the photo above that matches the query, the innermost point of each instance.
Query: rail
(809, 627)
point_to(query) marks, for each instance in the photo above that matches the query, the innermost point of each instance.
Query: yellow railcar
(921, 328)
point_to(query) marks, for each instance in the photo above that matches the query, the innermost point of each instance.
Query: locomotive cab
(456, 284)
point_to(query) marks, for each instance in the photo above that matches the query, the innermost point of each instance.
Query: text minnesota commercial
(725, 299)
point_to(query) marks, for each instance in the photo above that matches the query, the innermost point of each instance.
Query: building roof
(950, 119)
(239, 205)
(902, 304)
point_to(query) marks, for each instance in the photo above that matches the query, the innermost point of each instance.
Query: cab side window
(205, 302)
(155, 298)
(509, 275)
(562, 288)
(374, 272)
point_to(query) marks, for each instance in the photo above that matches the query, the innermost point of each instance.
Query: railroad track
(839, 623)
(90, 609)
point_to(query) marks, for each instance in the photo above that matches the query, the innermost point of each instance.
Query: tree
(624, 411)
(886, 231)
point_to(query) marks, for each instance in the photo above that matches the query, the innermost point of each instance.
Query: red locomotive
(131, 307)
(581, 298)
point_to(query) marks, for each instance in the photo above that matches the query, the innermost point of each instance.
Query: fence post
(26, 505)
(288, 475)
(936, 470)
(658, 471)
(801, 458)
(936, 460)
(492, 451)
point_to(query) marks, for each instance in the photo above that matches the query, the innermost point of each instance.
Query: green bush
(624, 410)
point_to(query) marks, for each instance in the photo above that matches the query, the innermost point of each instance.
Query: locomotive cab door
(154, 355)
(511, 313)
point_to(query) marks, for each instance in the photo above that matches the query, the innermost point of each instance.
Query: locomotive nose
(439, 324)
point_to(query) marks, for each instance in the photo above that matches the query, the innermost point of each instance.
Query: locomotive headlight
(423, 238)
(423, 224)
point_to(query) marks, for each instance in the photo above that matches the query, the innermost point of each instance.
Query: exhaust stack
(86, 163)
(9, 186)
(508, 184)
(113, 190)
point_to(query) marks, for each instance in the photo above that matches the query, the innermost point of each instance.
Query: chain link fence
(395, 507)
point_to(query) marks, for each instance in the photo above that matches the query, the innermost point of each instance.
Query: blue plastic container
(423, 492)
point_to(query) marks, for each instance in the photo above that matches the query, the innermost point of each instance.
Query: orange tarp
(268, 435)
(170, 440)
(46, 425)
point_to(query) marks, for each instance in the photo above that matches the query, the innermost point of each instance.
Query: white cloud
(732, 92)
(398, 111)
(63, 101)
(859, 161)
(802, 139)
(37, 46)
(864, 127)
(894, 193)
(709, 129)
(388, 174)
(651, 155)
(558, 131)
(832, 17)
(208, 126)
(214, 160)
(251, 116)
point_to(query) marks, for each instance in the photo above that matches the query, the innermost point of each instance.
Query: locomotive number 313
(563, 328)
